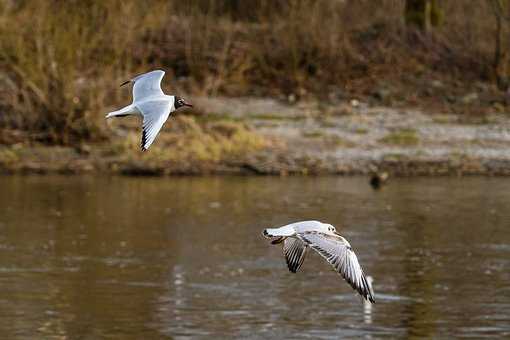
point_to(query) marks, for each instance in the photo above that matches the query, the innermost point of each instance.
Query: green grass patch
(274, 116)
(361, 131)
(444, 119)
(339, 141)
(313, 134)
(328, 124)
(395, 157)
(403, 137)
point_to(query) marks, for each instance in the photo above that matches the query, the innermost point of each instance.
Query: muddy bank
(269, 137)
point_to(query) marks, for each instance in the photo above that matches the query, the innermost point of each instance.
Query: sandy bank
(266, 137)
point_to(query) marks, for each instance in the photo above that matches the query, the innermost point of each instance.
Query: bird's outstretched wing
(155, 114)
(147, 85)
(338, 252)
(294, 251)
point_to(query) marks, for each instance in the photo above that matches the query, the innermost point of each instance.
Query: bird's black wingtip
(125, 83)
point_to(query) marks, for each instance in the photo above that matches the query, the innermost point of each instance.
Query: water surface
(132, 258)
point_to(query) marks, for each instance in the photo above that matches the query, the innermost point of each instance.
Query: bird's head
(179, 102)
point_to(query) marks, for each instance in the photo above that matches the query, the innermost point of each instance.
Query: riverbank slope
(273, 137)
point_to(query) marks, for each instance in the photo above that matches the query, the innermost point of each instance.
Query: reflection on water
(85, 257)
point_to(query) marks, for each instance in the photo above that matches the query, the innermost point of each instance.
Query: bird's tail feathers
(126, 111)
(275, 239)
(278, 232)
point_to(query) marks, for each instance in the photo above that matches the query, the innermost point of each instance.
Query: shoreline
(252, 136)
(407, 168)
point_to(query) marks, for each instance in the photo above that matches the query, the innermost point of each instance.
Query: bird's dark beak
(187, 104)
(125, 83)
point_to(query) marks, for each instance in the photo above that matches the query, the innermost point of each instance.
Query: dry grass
(60, 61)
(188, 140)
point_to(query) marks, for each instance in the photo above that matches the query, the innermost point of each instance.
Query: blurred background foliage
(61, 61)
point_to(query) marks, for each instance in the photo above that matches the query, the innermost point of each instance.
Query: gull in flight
(151, 104)
(323, 238)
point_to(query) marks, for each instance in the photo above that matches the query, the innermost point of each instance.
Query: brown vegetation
(61, 61)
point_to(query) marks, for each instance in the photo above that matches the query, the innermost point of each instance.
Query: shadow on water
(87, 257)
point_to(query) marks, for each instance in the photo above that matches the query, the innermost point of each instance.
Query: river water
(132, 258)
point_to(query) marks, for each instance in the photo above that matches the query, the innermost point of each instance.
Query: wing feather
(338, 252)
(155, 114)
(148, 85)
(294, 251)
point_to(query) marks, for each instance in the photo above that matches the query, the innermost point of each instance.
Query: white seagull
(323, 238)
(151, 104)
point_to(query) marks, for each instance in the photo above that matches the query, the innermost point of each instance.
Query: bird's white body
(323, 238)
(299, 227)
(150, 103)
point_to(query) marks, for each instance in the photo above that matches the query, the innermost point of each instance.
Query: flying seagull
(323, 238)
(151, 104)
